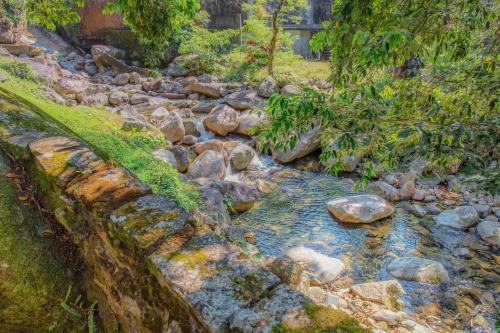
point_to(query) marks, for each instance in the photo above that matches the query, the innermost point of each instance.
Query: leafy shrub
(11, 13)
(19, 69)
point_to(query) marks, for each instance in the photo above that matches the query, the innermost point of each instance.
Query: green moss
(32, 283)
(101, 129)
(324, 320)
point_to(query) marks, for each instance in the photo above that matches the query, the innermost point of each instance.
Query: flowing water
(295, 213)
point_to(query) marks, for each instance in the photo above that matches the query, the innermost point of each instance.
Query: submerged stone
(360, 209)
(322, 267)
(462, 217)
(418, 269)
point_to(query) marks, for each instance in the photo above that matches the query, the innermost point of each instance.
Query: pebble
(430, 198)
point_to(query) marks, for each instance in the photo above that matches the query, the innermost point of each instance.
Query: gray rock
(190, 126)
(290, 89)
(482, 210)
(249, 121)
(489, 232)
(360, 208)
(213, 90)
(173, 128)
(181, 157)
(383, 292)
(209, 164)
(322, 267)
(243, 100)
(222, 120)
(159, 115)
(136, 99)
(90, 68)
(241, 157)
(132, 119)
(189, 140)
(166, 156)
(307, 143)
(418, 269)
(416, 210)
(268, 87)
(384, 190)
(462, 217)
(240, 196)
(121, 79)
(118, 97)
(205, 106)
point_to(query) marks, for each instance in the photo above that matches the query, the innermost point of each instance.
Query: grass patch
(324, 320)
(101, 129)
(32, 283)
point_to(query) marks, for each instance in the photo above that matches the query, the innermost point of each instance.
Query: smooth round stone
(490, 232)
(418, 269)
(323, 268)
(360, 208)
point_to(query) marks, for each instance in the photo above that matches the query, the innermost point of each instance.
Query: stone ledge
(152, 266)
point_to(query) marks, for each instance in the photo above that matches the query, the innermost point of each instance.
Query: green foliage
(209, 45)
(11, 13)
(53, 13)
(102, 130)
(19, 69)
(31, 280)
(441, 102)
(154, 21)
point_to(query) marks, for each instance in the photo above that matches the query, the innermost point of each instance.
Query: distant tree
(154, 21)
(53, 13)
(282, 10)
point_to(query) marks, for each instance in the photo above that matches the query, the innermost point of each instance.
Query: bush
(19, 69)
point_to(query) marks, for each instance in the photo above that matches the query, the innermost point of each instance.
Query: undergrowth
(101, 129)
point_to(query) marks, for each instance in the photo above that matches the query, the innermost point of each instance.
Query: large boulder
(240, 197)
(121, 79)
(210, 164)
(222, 120)
(490, 232)
(214, 144)
(307, 143)
(8, 33)
(132, 119)
(384, 190)
(360, 208)
(173, 128)
(241, 157)
(383, 292)
(70, 86)
(166, 156)
(118, 97)
(26, 49)
(462, 217)
(321, 267)
(184, 65)
(243, 100)
(249, 121)
(105, 55)
(418, 269)
(268, 87)
(213, 90)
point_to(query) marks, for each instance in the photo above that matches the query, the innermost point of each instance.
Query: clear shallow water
(295, 213)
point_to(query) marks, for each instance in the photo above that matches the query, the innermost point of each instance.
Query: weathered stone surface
(213, 206)
(69, 86)
(322, 268)
(136, 99)
(291, 273)
(243, 100)
(189, 140)
(241, 157)
(307, 143)
(384, 292)
(205, 106)
(214, 144)
(107, 189)
(159, 115)
(249, 121)
(208, 164)
(121, 79)
(490, 232)
(268, 87)
(166, 156)
(103, 53)
(20, 49)
(8, 35)
(390, 317)
(222, 120)
(462, 217)
(181, 157)
(191, 126)
(173, 128)
(213, 90)
(418, 269)
(240, 196)
(118, 97)
(132, 119)
(62, 158)
(360, 209)
(384, 190)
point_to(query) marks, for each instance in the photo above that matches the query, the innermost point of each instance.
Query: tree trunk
(274, 39)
